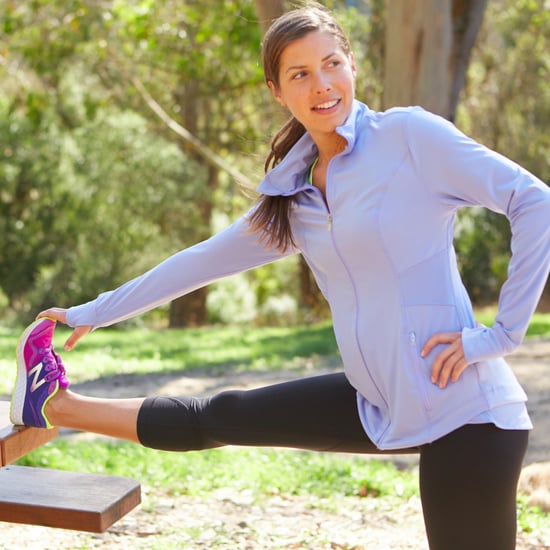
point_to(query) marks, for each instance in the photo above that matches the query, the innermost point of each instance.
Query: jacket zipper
(357, 339)
(420, 371)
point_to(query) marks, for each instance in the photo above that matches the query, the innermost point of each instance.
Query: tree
(193, 62)
(199, 67)
(427, 50)
(120, 111)
(506, 105)
(268, 10)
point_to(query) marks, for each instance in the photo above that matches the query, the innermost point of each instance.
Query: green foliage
(76, 217)
(506, 106)
(30, 153)
(126, 197)
(95, 189)
(482, 241)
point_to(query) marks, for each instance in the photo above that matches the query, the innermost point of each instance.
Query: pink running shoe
(40, 375)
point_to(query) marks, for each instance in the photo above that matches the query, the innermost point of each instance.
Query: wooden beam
(17, 441)
(67, 500)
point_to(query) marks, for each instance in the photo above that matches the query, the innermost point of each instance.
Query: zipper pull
(329, 222)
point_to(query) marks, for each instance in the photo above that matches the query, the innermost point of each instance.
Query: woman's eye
(299, 75)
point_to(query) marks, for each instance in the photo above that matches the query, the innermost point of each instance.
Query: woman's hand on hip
(450, 363)
(60, 314)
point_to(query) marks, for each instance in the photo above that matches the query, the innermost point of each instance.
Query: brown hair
(271, 217)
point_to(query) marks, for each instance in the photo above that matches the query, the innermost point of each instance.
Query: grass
(108, 352)
(539, 327)
(138, 350)
(263, 472)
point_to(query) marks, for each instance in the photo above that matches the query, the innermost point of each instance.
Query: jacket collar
(288, 177)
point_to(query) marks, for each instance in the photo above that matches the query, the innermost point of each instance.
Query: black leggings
(468, 479)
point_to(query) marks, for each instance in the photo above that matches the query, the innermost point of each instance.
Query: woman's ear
(275, 92)
(352, 63)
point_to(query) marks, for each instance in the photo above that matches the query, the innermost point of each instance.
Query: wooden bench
(55, 498)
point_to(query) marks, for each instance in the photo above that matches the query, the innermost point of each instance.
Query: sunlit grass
(538, 327)
(108, 352)
(262, 472)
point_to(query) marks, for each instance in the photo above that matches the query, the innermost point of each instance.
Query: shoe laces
(63, 380)
(53, 372)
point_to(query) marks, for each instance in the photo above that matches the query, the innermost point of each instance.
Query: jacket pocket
(420, 323)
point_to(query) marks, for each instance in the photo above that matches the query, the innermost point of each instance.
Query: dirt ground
(236, 521)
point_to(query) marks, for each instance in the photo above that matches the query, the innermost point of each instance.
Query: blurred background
(130, 129)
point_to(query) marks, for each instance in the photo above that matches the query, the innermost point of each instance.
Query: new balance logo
(35, 371)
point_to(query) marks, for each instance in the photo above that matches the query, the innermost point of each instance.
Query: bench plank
(68, 500)
(17, 441)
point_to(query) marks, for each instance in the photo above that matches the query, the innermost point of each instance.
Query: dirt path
(235, 521)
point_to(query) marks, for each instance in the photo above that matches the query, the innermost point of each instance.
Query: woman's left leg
(468, 485)
(315, 413)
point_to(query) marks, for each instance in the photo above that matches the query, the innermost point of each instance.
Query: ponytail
(271, 217)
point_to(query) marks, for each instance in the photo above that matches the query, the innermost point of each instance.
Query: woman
(369, 200)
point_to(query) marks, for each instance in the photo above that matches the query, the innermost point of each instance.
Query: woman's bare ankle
(56, 406)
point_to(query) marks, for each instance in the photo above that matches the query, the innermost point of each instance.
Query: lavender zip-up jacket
(381, 250)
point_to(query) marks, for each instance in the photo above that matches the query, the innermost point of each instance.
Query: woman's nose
(321, 83)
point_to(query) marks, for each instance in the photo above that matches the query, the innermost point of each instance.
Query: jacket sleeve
(231, 251)
(463, 172)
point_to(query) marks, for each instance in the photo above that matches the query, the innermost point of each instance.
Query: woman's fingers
(75, 336)
(56, 313)
(60, 314)
(449, 363)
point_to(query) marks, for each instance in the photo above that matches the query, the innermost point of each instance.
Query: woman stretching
(369, 199)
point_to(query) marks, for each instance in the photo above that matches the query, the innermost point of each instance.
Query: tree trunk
(418, 48)
(428, 46)
(467, 17)
(267, 11)
(189, 310)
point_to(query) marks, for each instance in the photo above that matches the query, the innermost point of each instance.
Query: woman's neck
(330, 147)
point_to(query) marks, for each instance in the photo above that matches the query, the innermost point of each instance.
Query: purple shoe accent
(63, 380)
(40, 375)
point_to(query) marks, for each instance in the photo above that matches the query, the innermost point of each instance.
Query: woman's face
(316, 82)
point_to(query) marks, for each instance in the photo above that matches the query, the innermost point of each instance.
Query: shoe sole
(18, 395)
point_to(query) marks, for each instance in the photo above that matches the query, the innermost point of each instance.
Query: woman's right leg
(468, 484)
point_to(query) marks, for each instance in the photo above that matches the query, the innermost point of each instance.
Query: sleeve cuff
(483, 343)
